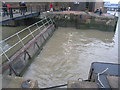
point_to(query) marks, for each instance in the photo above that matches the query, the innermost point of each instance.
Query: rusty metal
(24, 50)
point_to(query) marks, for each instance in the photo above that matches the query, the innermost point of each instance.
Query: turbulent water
(69, 54)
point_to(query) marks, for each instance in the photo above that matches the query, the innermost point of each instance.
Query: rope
(99, 77)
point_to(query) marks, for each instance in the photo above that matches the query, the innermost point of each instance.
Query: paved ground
(82, 12)
(14, 16)
(64, 12)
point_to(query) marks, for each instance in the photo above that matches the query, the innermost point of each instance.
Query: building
(80, 6)
(75, 6)
(111, 7)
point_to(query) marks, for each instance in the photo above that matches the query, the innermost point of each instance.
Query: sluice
(17, 62)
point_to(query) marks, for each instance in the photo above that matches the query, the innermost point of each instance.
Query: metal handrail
(14, 7)
(20, 40)
(22, 30)
(9, 11)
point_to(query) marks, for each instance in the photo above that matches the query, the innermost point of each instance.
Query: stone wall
(85, 21)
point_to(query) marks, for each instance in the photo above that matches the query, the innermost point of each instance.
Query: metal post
(11, 13)
(23, 45)
(51, 20)
(46, 20)
(31, 9)
(31, 33)
(12, 69)
(5, 54)
(39, 9)
(37, 26)
(34, 36)
(20, 40)
(24, 55)
(37, 44)
(43, 24)
(28, 54)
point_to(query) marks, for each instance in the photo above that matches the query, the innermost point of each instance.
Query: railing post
(20, 40)
(23, 45)
(48, 22)
(44, 8)
(31, 9)
(37, 25)
(5, 54)
(34, 37)
(11, 13)
(43, 24)
(31, 33)
(51, 20)
(39, 8)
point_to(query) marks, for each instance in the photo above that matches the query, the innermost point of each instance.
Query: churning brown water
(69, 54)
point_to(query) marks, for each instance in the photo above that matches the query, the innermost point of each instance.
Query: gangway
(19, 54)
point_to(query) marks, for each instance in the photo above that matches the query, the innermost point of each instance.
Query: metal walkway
(15, 13)
(24, 47)
(7, 19)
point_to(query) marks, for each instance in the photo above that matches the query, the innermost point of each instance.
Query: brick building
(75, 6)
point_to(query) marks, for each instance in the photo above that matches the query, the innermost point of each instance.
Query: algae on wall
(84, 21)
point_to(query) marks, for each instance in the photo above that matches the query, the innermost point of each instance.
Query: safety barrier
(12, 11)
(37, 34)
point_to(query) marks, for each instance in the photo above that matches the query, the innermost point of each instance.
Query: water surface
(69, 54)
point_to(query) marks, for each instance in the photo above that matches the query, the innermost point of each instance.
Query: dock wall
(84, 21)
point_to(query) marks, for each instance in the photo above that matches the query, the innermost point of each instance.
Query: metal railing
(44, 22)
(20, 10)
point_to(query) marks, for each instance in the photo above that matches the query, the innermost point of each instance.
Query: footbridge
(16, 13)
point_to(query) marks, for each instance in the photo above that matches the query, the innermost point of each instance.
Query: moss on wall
(84, 21)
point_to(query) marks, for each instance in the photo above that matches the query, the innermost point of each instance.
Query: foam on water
(69, 54)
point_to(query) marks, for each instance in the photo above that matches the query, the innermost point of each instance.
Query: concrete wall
(85, 21)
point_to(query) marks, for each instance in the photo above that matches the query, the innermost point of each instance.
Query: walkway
(18, 16)
(82, 12)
